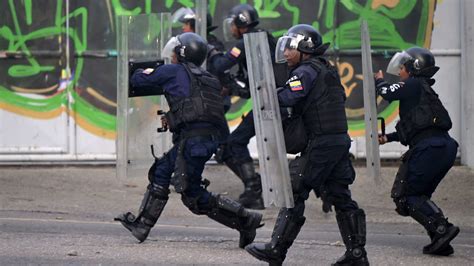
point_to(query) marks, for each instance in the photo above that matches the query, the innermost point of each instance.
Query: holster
(180, 178)
(171, 120)
(297, 172)
(399, 185)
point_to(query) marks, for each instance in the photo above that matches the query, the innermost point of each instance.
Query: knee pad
(402, 207)
(160, 192)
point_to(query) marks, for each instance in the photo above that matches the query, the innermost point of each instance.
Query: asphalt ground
(63, 215)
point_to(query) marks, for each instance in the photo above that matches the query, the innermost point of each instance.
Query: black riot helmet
(423, 62)
(187, 15)
(303, 38)
(417, 61)
(244, 16)
(188, 47)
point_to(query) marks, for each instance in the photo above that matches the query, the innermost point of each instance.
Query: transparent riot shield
(370, 108)
(276, 185)
(139, 42)
(201, 18)
(201, 22)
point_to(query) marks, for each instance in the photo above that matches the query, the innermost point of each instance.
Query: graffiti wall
(58, 63)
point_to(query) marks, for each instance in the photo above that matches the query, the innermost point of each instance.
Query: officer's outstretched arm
(141, 84)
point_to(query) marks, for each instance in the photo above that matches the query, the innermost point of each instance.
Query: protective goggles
(227, 28)
(286, 43)
(397, 61)
(168, 50)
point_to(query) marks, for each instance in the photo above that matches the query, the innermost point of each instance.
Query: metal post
(467, 79)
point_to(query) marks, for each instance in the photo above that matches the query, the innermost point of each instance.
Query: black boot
(353, 231)
(153, 203)
(232, 214)
(252, 196)
(443, 252)
(439, 229)
(286, 230)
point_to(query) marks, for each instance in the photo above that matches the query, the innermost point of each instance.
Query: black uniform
(423, 126)
(324, 165)
(196, 118)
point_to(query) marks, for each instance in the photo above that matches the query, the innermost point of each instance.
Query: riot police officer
(196, 119)
(315, 93)
(188, 19)
(242, 19)
(423, 126)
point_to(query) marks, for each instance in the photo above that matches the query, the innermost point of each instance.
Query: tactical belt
(427, 133)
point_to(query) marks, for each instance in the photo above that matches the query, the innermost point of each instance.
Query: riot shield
(199, 14)
(370, 108)
(201, 22)
(139, 42)
(201, 18)
(276, 185)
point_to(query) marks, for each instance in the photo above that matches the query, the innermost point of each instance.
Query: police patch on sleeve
(235, 52)
(148, 71)
(296, 85)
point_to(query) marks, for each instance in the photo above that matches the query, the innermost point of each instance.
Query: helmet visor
(168, 50)
(227, 29)
(284, 43)
(183, 14)
(397, 61)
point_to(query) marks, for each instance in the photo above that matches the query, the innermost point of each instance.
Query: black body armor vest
(427, 118)
(203, 105)
(326, 114)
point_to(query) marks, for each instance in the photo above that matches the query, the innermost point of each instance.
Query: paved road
(63, 215)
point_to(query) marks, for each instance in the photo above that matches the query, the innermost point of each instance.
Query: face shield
(397, 61)
(183, 14)
(168, 50)
(227, 28)
(286, 43)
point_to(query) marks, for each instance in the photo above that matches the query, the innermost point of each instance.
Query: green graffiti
(338, 22)
(382, 29)
(120, 11)
(266, 8)
(34, 105)
(93, 115)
